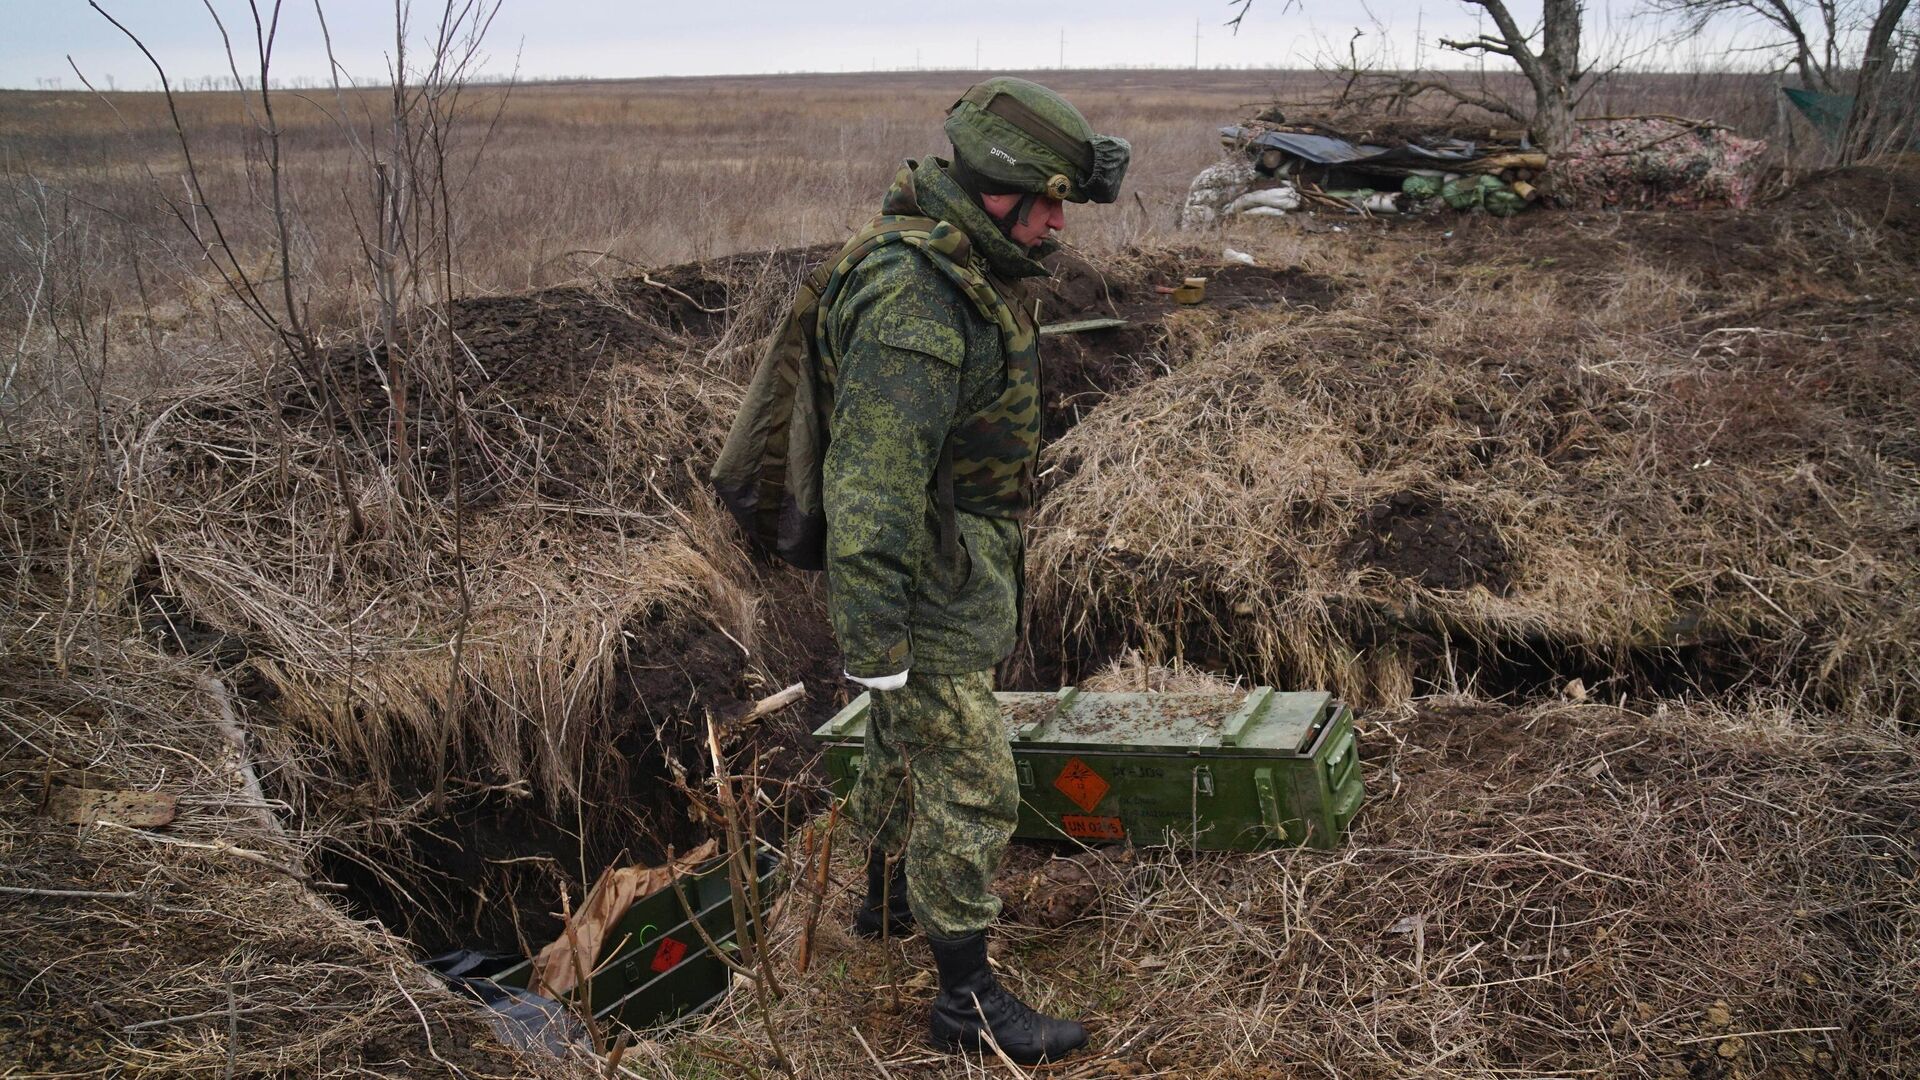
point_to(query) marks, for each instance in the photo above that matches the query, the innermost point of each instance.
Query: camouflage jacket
(914, 357)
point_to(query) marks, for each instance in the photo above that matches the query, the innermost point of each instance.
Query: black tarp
(1327, 150)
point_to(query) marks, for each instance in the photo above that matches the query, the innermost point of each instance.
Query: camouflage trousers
(937, 783)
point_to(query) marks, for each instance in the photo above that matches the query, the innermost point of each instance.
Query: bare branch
(1511, 36)
(1247, 5)
(1483, 43)
(1412, 88)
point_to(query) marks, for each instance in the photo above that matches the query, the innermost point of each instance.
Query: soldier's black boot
(972, 1002)
(897, 920)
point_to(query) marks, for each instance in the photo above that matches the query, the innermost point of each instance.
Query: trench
(494, 868)
(494, 872)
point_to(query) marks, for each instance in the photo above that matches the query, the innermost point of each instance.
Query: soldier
(935, 423)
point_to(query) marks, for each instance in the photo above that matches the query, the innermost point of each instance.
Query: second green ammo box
(1232, 771)
(659, 966)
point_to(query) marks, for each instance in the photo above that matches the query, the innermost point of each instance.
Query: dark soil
(1129, 287)
(1804, 240)
(1412, 536)
(1715, 246)
(489, 873)
(1884, 196)
(1080, 370)
(526, 373)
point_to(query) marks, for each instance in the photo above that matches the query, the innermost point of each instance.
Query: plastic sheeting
(521, 1018)
(1327, 150)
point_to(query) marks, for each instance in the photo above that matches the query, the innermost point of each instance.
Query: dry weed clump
(195, 948)
(200, 949)
(417, 625)
(1129, 673)
(1506, 465)
(1561, 889)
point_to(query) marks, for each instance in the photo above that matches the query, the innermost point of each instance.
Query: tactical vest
(990, 454)
(769, 471)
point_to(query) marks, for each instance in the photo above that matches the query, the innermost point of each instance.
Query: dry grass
(1496, 456)
(1549, 891)
(576, 179)
(650, 172)
(200, 948)
(582, 530)
(1648, 456)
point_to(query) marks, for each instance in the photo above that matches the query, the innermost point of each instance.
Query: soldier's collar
(927, 187)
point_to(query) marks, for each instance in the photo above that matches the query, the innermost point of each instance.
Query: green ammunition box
(659, 967)
(1221, 771)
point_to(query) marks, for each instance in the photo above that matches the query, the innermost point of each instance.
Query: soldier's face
(1044, 218)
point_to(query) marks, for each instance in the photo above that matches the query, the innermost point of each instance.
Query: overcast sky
(628, 38)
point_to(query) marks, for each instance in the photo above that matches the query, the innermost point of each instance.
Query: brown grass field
(1608, 522)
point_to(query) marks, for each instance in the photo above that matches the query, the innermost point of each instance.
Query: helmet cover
(1016, 136)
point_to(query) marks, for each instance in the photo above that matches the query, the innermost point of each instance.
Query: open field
(1608, 522)
(602, 177)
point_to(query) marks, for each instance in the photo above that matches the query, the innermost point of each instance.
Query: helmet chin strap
(971, 183)
(1016, 216)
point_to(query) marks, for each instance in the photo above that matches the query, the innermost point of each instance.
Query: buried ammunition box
(1228, 771)
(659, 967)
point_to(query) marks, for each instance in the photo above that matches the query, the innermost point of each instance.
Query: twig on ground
(875, 1058)
(221, 847)
(67, 894)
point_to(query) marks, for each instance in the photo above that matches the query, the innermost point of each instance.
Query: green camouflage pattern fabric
(927, 345)
(1019, 136)
(937, 784)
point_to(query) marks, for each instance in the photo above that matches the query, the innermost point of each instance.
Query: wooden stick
(229, 724)
(877, 1063)
(67, 894)
(824, 861)
(224, 848)
(1497, 162)
(776, 702)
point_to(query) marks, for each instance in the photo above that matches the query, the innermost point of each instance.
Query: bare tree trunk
(1864, 121)
(1554, 72)
(1558, 70)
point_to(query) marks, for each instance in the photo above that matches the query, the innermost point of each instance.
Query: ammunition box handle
(1063, 698)
(1234, 728)
(1268, 796)
(855, 710)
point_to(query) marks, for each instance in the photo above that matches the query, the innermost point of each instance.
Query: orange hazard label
(1088, 827)
(1080, 783)
(668, 954)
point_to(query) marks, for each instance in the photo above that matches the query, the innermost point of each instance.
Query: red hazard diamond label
(1080, 783)
(668, 954)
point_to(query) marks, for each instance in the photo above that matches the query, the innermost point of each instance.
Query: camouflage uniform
(937, 783)
(917, 361)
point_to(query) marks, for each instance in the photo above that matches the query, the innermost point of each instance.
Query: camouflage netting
(1642, 163)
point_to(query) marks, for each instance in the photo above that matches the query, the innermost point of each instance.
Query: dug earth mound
(1394, 462)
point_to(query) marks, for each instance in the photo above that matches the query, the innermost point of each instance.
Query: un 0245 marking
(1092, 827)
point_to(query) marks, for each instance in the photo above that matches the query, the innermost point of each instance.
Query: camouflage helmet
(1011, 136)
